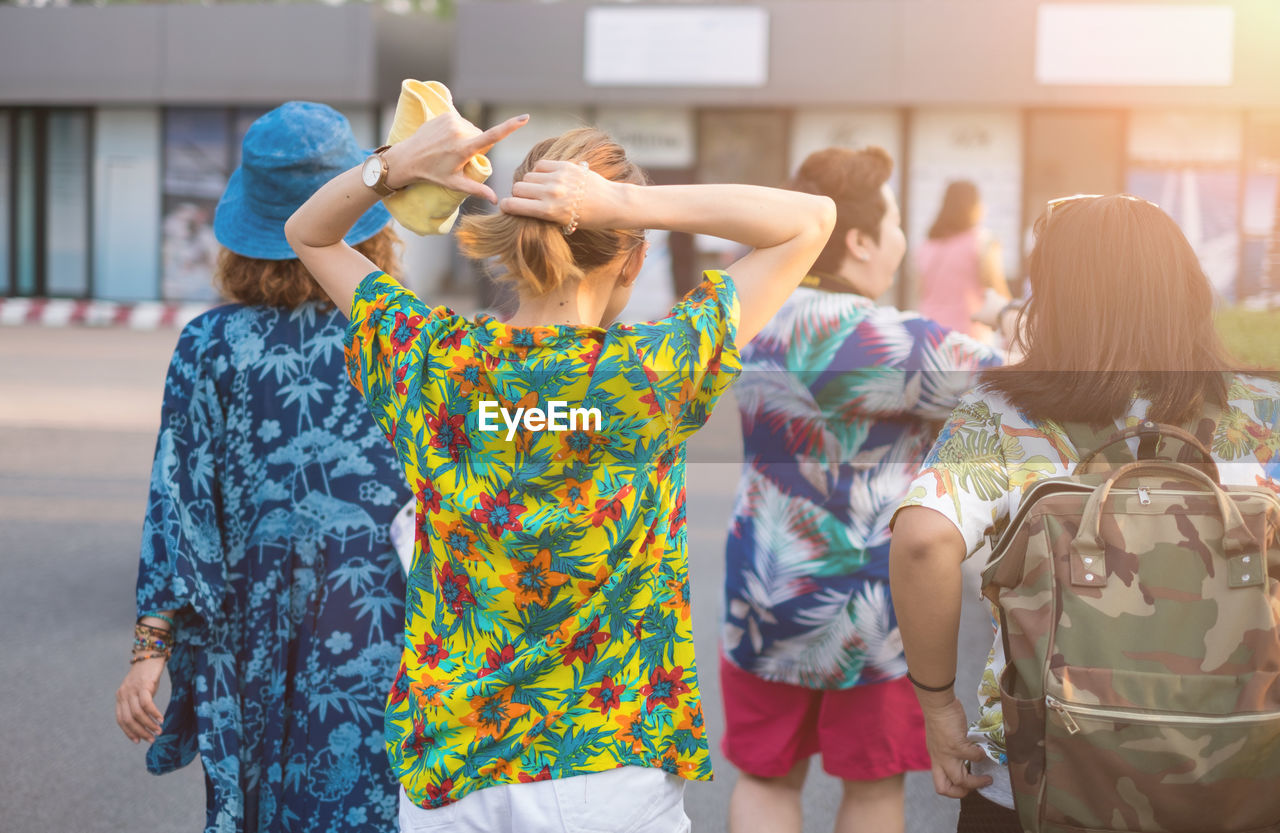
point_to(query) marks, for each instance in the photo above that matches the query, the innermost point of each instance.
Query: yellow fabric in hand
(426, 208)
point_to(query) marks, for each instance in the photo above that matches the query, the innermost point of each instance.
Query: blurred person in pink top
(959, 263)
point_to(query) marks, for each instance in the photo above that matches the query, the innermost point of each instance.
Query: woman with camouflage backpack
(1119, 331)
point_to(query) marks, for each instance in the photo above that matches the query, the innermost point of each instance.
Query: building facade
(1172, 101)
(119, 125)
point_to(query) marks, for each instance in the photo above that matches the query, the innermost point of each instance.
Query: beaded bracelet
(168, 619)
(150, 642)
(145, 633)
(577, 201)
(145, 644)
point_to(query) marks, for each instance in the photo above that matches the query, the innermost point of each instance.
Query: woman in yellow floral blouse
(548, 632)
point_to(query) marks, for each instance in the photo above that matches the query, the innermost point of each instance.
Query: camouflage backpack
(1141, 616)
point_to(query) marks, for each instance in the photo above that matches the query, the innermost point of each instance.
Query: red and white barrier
(62, 312)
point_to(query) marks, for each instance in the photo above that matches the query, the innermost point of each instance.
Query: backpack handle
(1149, 432)
(1088, 565)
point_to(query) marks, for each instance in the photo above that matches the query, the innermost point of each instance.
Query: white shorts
(629, 799)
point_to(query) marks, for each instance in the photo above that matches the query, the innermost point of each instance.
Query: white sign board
(676, 46)
(654, 137)
(1152, 44)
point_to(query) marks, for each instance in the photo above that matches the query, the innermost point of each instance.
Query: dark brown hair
(535, 253)
(956, 213)
(853, 178)
(287, 283)
(1119, 308)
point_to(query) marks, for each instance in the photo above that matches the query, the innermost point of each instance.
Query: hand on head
(439, 151)
(563, 192)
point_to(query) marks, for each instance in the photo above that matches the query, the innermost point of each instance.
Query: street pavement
(79, 408)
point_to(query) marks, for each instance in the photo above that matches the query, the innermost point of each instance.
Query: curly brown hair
(853, 179)
(287, 283)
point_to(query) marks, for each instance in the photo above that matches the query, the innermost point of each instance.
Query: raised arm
(785, 229)
(436, 153)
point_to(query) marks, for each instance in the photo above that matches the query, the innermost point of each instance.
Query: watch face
(371, 171)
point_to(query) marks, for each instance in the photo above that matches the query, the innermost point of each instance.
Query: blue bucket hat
(287, 155)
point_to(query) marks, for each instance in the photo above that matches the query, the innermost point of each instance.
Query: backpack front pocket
(1109, 768)
(1024, 726)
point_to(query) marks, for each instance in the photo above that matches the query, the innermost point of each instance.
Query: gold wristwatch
(374, 173)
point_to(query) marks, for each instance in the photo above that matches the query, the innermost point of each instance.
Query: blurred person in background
(267, 584)
(959, 264)
(548, 681)
(838, 399)
(1118, 328)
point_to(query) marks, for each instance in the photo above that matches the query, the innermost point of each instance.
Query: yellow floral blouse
(547, 627)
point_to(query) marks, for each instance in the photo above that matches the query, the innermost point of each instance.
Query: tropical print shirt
(267, 526)
(548, 628)
(989, 453)
(839, 401)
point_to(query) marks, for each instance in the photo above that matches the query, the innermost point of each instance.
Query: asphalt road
(78, 414)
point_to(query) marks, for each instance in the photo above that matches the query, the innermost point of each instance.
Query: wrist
(397, 167)
(622, 207)
(934, 700)
(151, 641)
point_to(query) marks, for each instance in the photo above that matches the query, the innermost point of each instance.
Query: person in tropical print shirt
(548, 634)
(1119, 329)
(838, 399)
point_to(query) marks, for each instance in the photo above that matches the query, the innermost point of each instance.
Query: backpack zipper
(1069, 711)
(1148, 491)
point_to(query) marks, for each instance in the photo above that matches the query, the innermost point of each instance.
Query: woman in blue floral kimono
(267, 582)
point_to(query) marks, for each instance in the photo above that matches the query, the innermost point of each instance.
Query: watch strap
(380, 187)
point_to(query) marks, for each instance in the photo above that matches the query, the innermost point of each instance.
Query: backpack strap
(1151, 435)
(1150, 445)
(1097, 441)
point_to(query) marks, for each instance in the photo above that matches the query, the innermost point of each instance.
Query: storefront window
(1188, 163)
(1260, 249)
(66, 203)
(26, 172)
(982, 146)
(44, 230)
(6, 185)
(197, 163)
(201, 149)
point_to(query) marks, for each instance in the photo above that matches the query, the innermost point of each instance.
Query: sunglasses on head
(1054, 204)
(1057, 204)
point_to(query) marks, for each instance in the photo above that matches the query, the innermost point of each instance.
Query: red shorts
(864, 733)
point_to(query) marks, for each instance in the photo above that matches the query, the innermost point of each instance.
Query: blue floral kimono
(267, 527)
